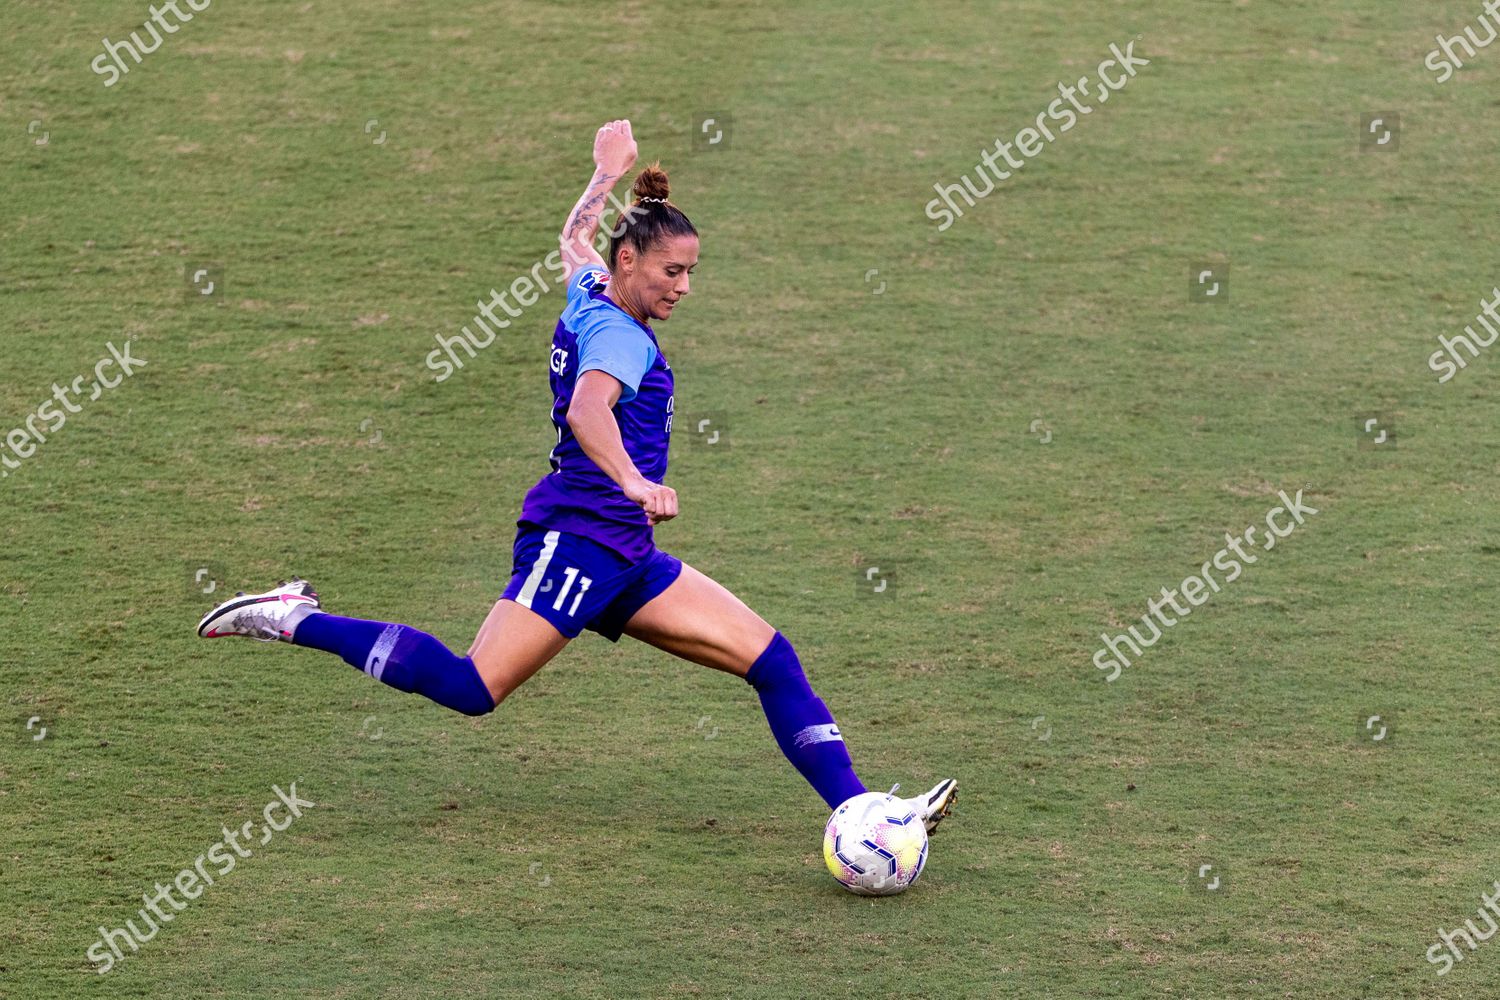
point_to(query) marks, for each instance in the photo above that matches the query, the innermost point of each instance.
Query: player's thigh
(698, 619)
(512, 644)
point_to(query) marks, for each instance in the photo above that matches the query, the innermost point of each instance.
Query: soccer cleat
(268, 617)
(936, 804)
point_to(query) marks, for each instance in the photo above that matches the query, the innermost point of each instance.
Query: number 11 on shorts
(562, 595)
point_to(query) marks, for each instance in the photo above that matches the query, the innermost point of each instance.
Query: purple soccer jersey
(576, 496)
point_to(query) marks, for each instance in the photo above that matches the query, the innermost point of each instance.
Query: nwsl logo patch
(595, 280)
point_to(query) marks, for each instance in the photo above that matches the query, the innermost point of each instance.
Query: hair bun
(651, 219)
(651, 183)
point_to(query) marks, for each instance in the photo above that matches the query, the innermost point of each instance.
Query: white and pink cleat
(269, 617)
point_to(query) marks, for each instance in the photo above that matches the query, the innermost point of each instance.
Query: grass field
(1023, 421)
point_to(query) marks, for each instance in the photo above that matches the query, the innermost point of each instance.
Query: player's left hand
(658, 501)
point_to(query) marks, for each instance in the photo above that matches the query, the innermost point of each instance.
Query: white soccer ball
(875, 844)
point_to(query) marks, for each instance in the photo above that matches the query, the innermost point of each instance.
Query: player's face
(661, 275)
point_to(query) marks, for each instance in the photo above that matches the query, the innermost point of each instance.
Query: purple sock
(802, 724)
(401, 656)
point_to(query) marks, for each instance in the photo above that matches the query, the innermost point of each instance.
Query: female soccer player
(585, 553)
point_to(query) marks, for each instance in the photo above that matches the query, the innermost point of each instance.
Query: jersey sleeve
(586, 281)
(613, 345)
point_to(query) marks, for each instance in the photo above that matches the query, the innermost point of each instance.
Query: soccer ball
(875, 844)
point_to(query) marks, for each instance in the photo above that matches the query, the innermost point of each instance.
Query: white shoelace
(251, 618)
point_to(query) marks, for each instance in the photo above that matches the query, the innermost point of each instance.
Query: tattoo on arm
(584, 222)
(582, 218)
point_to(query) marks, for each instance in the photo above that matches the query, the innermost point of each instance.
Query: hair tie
(661, 201)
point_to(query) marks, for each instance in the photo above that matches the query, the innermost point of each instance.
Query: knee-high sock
(802, 724)
(401, 656)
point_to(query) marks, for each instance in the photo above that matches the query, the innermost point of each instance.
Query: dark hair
(651, 218)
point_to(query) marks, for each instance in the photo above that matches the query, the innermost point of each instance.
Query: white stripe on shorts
(538, 570)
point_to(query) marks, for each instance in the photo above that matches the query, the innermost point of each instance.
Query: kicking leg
(512, 645)
(701, 621)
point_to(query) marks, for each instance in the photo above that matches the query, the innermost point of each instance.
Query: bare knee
(513, 644)
(503, 679)
(757, 639)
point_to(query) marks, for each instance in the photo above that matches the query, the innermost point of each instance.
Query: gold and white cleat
(936, 804)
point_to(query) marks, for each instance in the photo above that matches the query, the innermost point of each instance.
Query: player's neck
(624, 302)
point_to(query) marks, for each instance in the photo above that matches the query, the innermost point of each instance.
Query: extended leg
(512, 645)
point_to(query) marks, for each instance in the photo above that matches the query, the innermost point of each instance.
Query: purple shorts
(578, 584)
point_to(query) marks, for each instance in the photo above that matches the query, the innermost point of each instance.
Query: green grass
(588, 839)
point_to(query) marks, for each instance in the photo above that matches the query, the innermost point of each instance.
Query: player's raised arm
(614, 153)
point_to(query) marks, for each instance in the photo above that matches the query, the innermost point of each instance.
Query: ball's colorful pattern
(875, 844)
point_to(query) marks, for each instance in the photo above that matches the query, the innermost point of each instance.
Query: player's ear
(625, 260)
